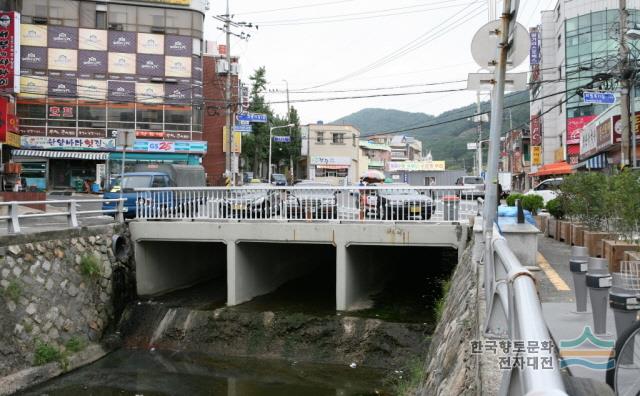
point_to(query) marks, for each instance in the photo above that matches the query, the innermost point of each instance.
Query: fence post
(14, 221)
(72, 218)
(120, 213)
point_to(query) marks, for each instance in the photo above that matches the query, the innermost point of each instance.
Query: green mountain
(445, 135)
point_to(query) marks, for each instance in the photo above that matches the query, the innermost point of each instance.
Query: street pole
(497, 112)
(227, 96)
(288, 105)
(624, 86)
(271, 143)
(634, 121)
(479, 128)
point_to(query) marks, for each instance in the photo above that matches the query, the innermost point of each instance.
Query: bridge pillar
(359, 274)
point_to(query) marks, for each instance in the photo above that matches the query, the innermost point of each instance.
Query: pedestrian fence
(71, 213)
(308, 202)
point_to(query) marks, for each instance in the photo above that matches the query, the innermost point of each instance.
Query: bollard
(623, 300)
(578, 264)
(451, 207)
(598, 281)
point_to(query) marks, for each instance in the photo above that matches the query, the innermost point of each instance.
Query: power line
(294, 7)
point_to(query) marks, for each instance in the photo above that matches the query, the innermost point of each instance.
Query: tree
(255, 146)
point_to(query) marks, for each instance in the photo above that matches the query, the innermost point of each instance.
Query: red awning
(557, 168)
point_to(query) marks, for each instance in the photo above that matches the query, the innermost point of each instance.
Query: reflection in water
(127, 372)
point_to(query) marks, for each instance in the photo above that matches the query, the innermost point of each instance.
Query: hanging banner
(9, 52)
(536, 155)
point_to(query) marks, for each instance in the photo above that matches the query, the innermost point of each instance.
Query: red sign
(61, 111)
(574, 128)
(5, 109)
(536, 133)
(150, 134)
(9, 51)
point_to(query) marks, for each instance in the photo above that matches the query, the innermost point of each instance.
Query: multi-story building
(331, 153)
(92, 68)
(516, 158)
(215, 74)
(374, 155)
(578, 39)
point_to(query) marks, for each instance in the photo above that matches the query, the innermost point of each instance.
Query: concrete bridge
(258, 257)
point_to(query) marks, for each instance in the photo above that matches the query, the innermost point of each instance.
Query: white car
(547, 189)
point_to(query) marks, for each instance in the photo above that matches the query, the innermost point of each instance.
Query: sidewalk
(555, 285)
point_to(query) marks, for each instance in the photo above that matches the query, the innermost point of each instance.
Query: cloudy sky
(328, 49)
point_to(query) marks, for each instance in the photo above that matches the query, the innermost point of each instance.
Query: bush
(584, 197)
(555, 209)
(90, 266)
(533, 203)
(46, 353)
(511, 199)
(74, 345)
(623, 199)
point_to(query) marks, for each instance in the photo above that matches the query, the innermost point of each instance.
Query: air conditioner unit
(116, 26)
(222, 66)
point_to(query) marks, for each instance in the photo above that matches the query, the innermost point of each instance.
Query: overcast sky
(331, 45)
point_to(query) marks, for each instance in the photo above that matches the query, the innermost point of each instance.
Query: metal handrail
(307, 202)
(14, 216)
(514, 312)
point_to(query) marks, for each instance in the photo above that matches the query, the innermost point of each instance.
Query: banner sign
(42, 142)
(161, 146)
(317, 160)
(574, 128)
(9, 52)
(58, 112)
(236, 144)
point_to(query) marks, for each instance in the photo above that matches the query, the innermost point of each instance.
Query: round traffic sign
(484, 46)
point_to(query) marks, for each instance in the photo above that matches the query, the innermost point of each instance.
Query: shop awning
(80, 155)
(557, 168)
(597, 162)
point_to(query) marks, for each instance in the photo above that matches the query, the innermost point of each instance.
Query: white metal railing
(514, 313)
(309, 202)
(13, 217)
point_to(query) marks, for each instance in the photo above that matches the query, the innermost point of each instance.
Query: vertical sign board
(536, 133)
(534, 48)
(536, 155)
(9, 52)
(236, 143)
(4, 118)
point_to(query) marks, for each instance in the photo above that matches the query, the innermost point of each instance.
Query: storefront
(334, 170)
(65, 163)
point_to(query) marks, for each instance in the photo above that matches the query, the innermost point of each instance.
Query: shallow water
(137, 372)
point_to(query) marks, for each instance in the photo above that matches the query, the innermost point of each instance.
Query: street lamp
(271, 142)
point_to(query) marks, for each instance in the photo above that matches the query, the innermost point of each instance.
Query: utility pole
(227, 97)
(288, 105)
(625, 118)
(479, 129)
(497, 114)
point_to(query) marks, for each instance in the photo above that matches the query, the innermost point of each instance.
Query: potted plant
(623, 199)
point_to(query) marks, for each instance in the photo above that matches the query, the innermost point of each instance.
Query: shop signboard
(62, 87)
(93, 39)
(177, 93)
(536, 155)
(92, 62)
(32, 131)
(92, 89)
(415, 166)
(61, 112)
(62, 59)
(536, 131)
(92, 132)
(168, 146)
(150, 65)
(604, 134)
(12, 140)
(33, 86)
(162, 146)
(236, 144)
(150, 43)
(61, 143)
(534, 48)
(177, 135)
(177, 66)
(33, 35)
(62, 37)
(588, 141)
(178, 45)
(122, 63)
(574, 127)
(122, 41)
(319, 160)
(61, 132)
(33, 58)
(617, 126)
(9, 52)
(5, 109)
(121, 91)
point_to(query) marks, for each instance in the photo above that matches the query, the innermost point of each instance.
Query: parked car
(256, 201)
(315, 202)
(473, 186)
(158, 176)
(278, 179)
(399, 203)
(547, 189)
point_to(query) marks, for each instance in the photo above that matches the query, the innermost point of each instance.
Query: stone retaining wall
(450, 368)
(48, 294)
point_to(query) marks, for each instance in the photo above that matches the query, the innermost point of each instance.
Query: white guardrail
(310, 202)
(71, 213)
(514, 313)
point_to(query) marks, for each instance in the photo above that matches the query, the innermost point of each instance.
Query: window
(88, 14)
(101, 19)
(338, 138)
(149, 118)
(53, 12)
(151, 20)
(340, 172)
(197, 119)
(122, 17)
(179, 22)
(28, 110)
(177, 118)
(320, 137)
(92, 116)
(159, 181)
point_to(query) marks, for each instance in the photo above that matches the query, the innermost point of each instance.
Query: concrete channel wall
(262, 256)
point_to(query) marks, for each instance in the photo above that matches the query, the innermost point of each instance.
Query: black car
(278, 179)
(399, 203)
(315, 200)
(257, 201)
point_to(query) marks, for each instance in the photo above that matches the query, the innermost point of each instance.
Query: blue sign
(242, 128)
(252, 117)
(282, 139)
(534, 48)
(599, 97)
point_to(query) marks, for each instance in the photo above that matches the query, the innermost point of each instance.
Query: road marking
(553, 276)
